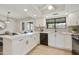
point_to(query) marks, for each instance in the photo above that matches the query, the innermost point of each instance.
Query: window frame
(55, 23)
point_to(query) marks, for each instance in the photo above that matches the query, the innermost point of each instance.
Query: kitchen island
(19, 44)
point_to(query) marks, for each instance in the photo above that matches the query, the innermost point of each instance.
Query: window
(30, 26)
(27, 27)
(50, 23)
(61, 22)
(56, 23)
(23, 27)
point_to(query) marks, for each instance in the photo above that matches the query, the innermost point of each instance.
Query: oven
(1, 45)
(1, 41)
(75, 44)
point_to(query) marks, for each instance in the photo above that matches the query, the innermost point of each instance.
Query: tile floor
(45, 50)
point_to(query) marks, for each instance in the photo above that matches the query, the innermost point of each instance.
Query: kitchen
(38, 29)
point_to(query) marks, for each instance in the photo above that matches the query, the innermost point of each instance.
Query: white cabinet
(56, 40)
(59, 40)
(7, 46)
(32, 41)
(17, 46)
(20, 45)
(51, 39)
(68, 42)
(72, 19)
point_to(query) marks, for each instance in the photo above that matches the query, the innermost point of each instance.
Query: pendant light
(50, 7)
(8, 21)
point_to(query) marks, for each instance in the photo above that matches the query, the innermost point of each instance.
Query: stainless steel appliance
(1, 45)
(75, 44)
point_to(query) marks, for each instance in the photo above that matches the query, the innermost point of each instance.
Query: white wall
(40, 22)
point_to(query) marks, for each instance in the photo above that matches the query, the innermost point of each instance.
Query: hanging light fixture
(8, 21)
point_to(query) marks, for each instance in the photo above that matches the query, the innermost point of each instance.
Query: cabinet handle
(20, 39)
(27, 42)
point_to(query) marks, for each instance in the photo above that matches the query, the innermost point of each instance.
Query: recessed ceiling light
(26, 10)
(50, 7)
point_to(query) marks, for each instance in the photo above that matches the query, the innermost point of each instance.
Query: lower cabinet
(20, 45)
(51, 39)
(60, 40)
(68, 42)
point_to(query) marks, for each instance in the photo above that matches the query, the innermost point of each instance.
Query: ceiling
(40, 10)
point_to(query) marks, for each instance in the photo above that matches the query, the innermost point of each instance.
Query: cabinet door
(30, 43)
(18, 46)
(36, 39)
(59, 40)
(26, 46)
(7, 46)
(68, 42)
(72, 19)
(51, 39)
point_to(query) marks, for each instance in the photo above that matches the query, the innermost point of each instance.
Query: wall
(40, 22)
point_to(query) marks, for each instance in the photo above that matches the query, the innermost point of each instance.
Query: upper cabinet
(71, 7)
(73, 19)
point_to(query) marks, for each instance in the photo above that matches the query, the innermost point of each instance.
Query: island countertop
(16, 36)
